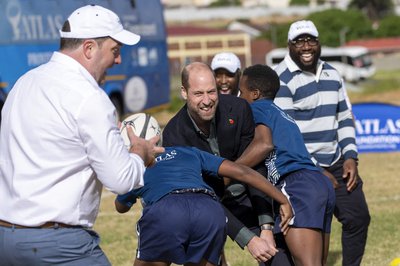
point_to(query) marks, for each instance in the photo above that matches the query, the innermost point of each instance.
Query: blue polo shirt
(290, 153)
(176, 168)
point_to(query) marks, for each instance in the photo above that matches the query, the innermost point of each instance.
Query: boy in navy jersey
(183, 221)
(278, 141)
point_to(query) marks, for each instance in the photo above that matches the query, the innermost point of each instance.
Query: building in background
(191, 43)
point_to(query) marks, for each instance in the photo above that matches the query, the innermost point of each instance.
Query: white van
(352, 62)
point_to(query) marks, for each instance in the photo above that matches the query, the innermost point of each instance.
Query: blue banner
(377, 127)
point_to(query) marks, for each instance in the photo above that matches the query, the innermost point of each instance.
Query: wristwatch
(267, 227)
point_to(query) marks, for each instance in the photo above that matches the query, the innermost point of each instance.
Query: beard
(306, 66)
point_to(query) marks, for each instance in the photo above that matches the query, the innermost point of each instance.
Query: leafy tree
(299, 2)
(388, 27)
(375, 9)
(336, 26)
(220, 3)
(303, 2)
(277, 33)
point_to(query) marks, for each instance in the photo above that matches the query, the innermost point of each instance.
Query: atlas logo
(167, 156)
(377, 126)
(33, 26)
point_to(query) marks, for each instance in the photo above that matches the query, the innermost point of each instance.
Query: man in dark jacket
(223, 125)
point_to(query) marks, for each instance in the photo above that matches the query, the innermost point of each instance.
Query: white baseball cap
(302, 27)
(93, 21)
(226, 60)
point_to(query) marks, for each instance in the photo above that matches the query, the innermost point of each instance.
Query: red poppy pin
(231, 121)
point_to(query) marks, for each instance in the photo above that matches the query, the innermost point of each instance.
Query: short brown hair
(188, 68)
(73, 43)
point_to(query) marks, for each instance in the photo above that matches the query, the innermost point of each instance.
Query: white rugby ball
(143, 125)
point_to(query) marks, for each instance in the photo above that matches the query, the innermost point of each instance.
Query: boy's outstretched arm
(259, 147)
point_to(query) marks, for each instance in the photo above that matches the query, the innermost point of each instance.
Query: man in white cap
(312, 92)
(60, 144)
(226, 67)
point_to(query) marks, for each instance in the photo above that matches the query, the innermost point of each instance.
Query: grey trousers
(61, 246)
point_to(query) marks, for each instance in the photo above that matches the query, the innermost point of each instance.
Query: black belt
(195, 190)
(46, 225)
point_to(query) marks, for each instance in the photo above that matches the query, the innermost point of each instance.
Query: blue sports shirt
(176, 168)
(290, 153)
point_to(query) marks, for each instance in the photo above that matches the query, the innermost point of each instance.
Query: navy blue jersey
(176, 168)
(290, 153)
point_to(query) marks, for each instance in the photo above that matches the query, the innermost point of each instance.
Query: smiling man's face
(305, 51)
(201, 96)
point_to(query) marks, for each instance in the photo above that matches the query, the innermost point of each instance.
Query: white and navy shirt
(317, 103)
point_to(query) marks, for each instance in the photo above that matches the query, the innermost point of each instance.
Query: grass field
(379, 172)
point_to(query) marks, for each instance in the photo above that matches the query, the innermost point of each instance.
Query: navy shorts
(182, 228)
(312, 197)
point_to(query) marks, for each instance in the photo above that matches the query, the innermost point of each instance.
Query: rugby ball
(143, 125)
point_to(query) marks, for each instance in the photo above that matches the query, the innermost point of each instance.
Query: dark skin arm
(256, 152)
(253, 178)
(350, 171)
(121, 208)
(259, 148)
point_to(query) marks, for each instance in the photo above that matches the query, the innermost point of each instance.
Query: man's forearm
(236, 230)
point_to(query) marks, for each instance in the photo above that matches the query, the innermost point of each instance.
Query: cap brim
(303, 33)
(230, 69)
(126, 37)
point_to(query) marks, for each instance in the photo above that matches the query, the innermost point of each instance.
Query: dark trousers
(351, 210)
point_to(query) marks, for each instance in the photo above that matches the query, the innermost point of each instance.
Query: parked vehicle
(353, 62)
(29, 34)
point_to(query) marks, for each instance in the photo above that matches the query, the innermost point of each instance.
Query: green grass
(382, 81)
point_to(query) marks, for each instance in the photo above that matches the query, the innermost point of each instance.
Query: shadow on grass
(334, 258)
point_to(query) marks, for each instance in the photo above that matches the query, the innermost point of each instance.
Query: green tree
(375, 9)
(388, 27)
(277, 33)
(304, 2)
(220, 3)
(299, 2)
(336, 26)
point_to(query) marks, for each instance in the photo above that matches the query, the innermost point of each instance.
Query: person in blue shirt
(193, 225)
(279, 142)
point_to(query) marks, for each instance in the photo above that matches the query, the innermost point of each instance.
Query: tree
(375, 9)
(221, 3)
(299, 2)
(335, 26)
(389, 27)
(304, 2)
